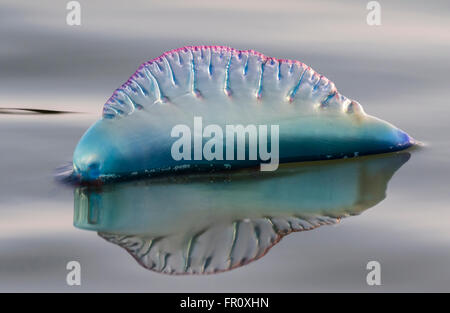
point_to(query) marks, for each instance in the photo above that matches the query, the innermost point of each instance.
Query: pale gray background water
(398, 71)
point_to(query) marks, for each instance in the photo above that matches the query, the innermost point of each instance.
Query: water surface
(398, 71)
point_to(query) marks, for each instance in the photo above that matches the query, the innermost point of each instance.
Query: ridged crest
(213, 72)
(220, 248)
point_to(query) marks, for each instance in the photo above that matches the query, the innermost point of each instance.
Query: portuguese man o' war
(204, 224)
(223, 87)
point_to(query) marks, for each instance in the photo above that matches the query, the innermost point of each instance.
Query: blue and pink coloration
(225, 86)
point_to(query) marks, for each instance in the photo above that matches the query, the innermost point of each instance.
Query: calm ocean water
(398, 71)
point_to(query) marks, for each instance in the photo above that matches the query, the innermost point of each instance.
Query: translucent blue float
(224, 86)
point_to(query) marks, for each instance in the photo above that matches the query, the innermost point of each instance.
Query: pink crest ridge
(333, 95)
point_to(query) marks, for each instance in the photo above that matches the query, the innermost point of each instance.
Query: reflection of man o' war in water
(201, 224)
